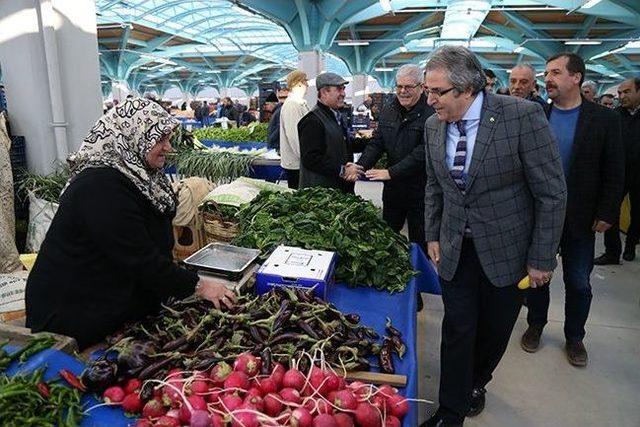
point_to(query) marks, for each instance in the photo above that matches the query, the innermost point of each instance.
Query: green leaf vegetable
(255, 132)
(370, 253)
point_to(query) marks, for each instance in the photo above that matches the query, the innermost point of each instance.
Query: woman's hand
(210, 289)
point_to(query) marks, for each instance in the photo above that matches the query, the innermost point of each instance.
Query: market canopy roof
(193, 44)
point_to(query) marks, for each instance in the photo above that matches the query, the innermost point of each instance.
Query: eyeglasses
(400, 88)
(437, 92)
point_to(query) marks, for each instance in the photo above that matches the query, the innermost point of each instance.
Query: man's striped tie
(457, 171)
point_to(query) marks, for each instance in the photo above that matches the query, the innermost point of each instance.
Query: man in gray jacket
(494, 209)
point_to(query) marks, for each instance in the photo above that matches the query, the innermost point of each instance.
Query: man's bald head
(522, 80)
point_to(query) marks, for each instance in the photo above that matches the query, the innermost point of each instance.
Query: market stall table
(373, 306)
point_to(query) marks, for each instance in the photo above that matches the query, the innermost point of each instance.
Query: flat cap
(329, 79)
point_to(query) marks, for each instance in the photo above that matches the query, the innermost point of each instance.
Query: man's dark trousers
(612, 242)
(478, 321)
(395, 216)
(576, 251)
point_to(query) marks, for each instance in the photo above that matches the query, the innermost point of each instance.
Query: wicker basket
(218, 230)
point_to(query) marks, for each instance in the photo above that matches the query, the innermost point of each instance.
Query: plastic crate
(18, 154)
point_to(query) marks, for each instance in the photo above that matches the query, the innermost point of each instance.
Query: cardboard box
(296, 267)
(189, 239)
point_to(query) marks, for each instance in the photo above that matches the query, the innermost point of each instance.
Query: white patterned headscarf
(121, 139)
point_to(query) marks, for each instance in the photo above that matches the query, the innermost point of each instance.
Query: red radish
(344, 399)
(172, 390)
(197, 403)
(267, 385)
(153, 409)
(132, 386)
(200, 418)
(199, 387)
(165, 421)
(293, 379)
(217, 421)
(368, 416)
(132, 403)
(331, 396)
(255, 391)
(334, 382)
(360, 389)
(317, 381)
(220, 372)
(247, 363)
(173, 413)
(300, 417)
(244, 419)
(113, 394)
(343, 420)
(324, 407)
(379, 402)
(143, 422)
(392, 421)
(231, 402)
(213, 395)
(272, 405)
(277, 374)
(290, 395)
(255, 401)
(398, 405)
(324, 420)
(387, 391)
(237, 379)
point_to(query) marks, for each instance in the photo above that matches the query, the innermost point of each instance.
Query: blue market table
(373, 306)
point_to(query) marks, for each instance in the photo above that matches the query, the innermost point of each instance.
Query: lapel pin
(491, 119)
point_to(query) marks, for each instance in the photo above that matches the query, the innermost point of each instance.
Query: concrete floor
(542, 389)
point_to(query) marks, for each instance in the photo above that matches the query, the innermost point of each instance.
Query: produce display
(251, 393)
(35, 345)
(46, 187)
(279, 326)
(219, 165)
(27, 400)
(255, 132)
(370, 253)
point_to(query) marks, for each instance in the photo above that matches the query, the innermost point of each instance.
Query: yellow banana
(524, 283)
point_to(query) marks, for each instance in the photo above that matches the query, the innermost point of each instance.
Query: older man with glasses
(494, 202)
(399, 136)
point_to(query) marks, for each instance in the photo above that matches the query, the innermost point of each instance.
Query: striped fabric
(457, 171)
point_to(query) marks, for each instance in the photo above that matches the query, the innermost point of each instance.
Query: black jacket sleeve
(373, 151)
(411, 165)
(114, 220)
(313, 147)
(273, 130)
(613, 166)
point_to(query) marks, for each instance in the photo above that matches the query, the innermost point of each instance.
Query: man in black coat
(326, 151)
(592, 153)
(400, 135)
(629, 110)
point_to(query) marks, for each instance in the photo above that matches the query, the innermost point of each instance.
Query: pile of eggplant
(191, 335)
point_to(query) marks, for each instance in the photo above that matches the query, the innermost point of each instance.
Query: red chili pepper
(72, 379)
(44, 390)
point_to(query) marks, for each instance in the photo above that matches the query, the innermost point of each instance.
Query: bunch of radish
(240, 396)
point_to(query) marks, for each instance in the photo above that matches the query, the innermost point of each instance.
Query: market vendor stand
(373, 306)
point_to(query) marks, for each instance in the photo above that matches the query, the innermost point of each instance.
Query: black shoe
(437, 421)
(477, 401)
(530, 341)
(629, 253)
(606, 259)
(577, 353)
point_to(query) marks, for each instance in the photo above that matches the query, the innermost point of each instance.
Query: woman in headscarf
(106, 259)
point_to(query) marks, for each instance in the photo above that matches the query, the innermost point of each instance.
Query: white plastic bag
(41, 214)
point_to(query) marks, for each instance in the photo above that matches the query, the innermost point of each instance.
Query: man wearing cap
(292, 111)
(326, 153)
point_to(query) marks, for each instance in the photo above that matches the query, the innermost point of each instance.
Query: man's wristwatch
(342, 170)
